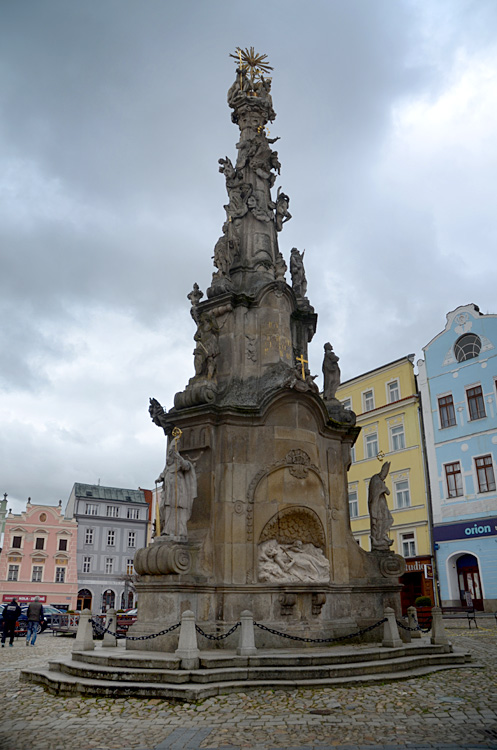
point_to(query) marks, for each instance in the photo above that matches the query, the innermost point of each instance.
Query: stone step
(287, 657)
(65, 684)
(273, 672)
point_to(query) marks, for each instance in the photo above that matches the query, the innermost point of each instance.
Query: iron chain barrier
(217, 637)
(320, 640)
(101, 630)
(413, 630)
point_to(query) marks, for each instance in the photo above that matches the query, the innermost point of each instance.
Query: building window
(62, 545)
(133, 513)
(368, 400)
(454, 479)
(16, 542)
(402, 496)
(347, 403)
(89, 536)
(109, 565)
(475, 403)
(60, 575)
(467, 347)
(37, 574)
(112, 511)
(131, 539)
(13, 574)
(352, 455)
(129, 566)
(353, 504)
(408, 543)
(111, 538)
(485, 472)
(91, 509)
(398, 437)
(371, 445)
(40, 542)
(446, 411)
(393, 391)
(86, 564)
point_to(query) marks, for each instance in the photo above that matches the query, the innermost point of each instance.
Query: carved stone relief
(292, 563)
(294, 523)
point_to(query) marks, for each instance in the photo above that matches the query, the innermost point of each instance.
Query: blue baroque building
(458, 381)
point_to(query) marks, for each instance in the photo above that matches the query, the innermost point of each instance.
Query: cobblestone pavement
(449, 709)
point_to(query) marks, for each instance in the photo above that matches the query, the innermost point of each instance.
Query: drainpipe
(436, 584)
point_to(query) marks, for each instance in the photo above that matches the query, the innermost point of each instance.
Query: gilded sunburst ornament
(252, 61)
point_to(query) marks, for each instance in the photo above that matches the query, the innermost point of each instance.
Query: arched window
(467, 347)
(108, 600)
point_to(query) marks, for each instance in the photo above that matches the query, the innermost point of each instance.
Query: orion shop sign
(467, 530)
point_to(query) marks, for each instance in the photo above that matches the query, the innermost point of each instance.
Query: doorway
(468, 576)
(84, 600)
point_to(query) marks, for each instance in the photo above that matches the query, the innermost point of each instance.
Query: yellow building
(387, 405)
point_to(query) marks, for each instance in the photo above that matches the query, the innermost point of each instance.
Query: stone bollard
(412, 621)
(438, 634)
(391, 637)
(111, 623)
(187, 649)
(246, 645)
(84, 633)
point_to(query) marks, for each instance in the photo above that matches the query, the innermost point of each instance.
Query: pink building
(39, 557)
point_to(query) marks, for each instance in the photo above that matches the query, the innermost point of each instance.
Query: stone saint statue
(379, 513)
(299, 281)
(179, 490)
(331, 373)
(207, 347)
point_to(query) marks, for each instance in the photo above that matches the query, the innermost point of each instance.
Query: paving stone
(414, 714)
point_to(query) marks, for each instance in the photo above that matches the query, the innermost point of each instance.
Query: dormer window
(467, 347)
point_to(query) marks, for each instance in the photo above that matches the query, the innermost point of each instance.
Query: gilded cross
(301, 360)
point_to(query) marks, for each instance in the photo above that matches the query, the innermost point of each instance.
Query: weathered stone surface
(270, 455)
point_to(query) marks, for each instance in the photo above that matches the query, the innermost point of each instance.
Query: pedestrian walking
(35, 618)
(10, 614)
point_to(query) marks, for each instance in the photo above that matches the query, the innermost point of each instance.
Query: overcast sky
(113, 116)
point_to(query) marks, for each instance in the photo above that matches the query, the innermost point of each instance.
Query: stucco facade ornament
(292, 563)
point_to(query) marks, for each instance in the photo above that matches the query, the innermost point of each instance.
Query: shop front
(417, 581)
(466, 563)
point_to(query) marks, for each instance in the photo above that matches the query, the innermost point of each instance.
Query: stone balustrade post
(391, 638)
(84, 633)
(246, 644)
(111, 623)
(438, 634)
(188, 650)
(412, 621)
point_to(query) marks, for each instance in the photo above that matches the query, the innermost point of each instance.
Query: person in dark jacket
(10, 614)
(35, 617)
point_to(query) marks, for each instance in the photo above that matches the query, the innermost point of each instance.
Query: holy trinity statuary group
(254, 507)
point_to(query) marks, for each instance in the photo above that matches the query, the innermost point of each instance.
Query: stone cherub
(331, 373)
(379, 512)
